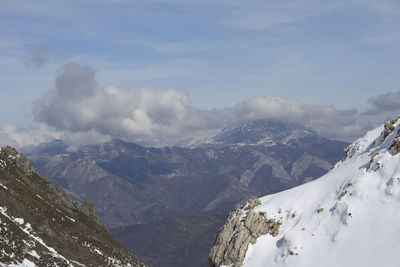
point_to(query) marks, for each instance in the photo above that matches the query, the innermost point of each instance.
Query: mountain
(348, 217)
(131, 184)
(41, 226)
(263, 131)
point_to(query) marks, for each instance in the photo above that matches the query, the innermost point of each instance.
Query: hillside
(41, 226)
(348, 217)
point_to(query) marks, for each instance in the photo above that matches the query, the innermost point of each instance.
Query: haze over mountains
(131, 184)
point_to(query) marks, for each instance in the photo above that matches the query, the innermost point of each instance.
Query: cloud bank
(81, 111)
(385, 102)
(78, 104)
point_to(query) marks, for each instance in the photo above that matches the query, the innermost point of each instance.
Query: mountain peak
(262, 131)
(9, 156)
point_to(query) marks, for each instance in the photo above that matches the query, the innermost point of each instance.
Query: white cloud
(80, 111)
(78, 104)
(325, 119)
(20, 137)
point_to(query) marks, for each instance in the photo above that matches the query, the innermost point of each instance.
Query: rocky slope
(41, 226)
(132, 184)
(348, 217)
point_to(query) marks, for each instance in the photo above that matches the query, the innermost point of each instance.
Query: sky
(155, 71)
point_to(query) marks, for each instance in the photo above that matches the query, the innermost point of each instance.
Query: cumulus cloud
(79, 111)
(78, 104)
(30, 137)
(22, 137)
(385, 102)
(325, 119)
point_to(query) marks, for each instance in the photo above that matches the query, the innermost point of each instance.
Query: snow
(92, 248)
(20, 221)
(27, 229)
(25, 263)
(359, 223)
(72, 220)
(198, 140)
(34, 254)
(3, 164)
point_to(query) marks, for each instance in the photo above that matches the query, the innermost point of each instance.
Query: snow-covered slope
(348, 217)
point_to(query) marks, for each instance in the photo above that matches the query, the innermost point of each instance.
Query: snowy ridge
(348, 217)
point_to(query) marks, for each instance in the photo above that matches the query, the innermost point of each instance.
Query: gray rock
(243, 227)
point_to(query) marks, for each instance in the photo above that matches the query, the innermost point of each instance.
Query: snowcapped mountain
(41, 226)
(255, 132)
(348, 217)
(263, 131)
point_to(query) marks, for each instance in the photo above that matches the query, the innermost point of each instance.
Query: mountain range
(136, 187)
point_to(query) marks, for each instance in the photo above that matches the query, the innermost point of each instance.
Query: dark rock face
(132, 184)
(40, 224)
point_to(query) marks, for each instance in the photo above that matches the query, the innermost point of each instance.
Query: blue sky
(219, 53)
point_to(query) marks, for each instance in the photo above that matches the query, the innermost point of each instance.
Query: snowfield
(348, 217)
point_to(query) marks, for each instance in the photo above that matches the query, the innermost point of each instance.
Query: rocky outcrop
(242, 228)
(89, 209)
(389, 127)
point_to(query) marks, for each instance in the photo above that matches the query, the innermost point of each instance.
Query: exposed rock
(9, 155)
(346, 151)
(243, 227)
(61, 196)
(395, 145)
(252, 203)
(388, 127)
(373, 155)
(350, 151)
(89, 209)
